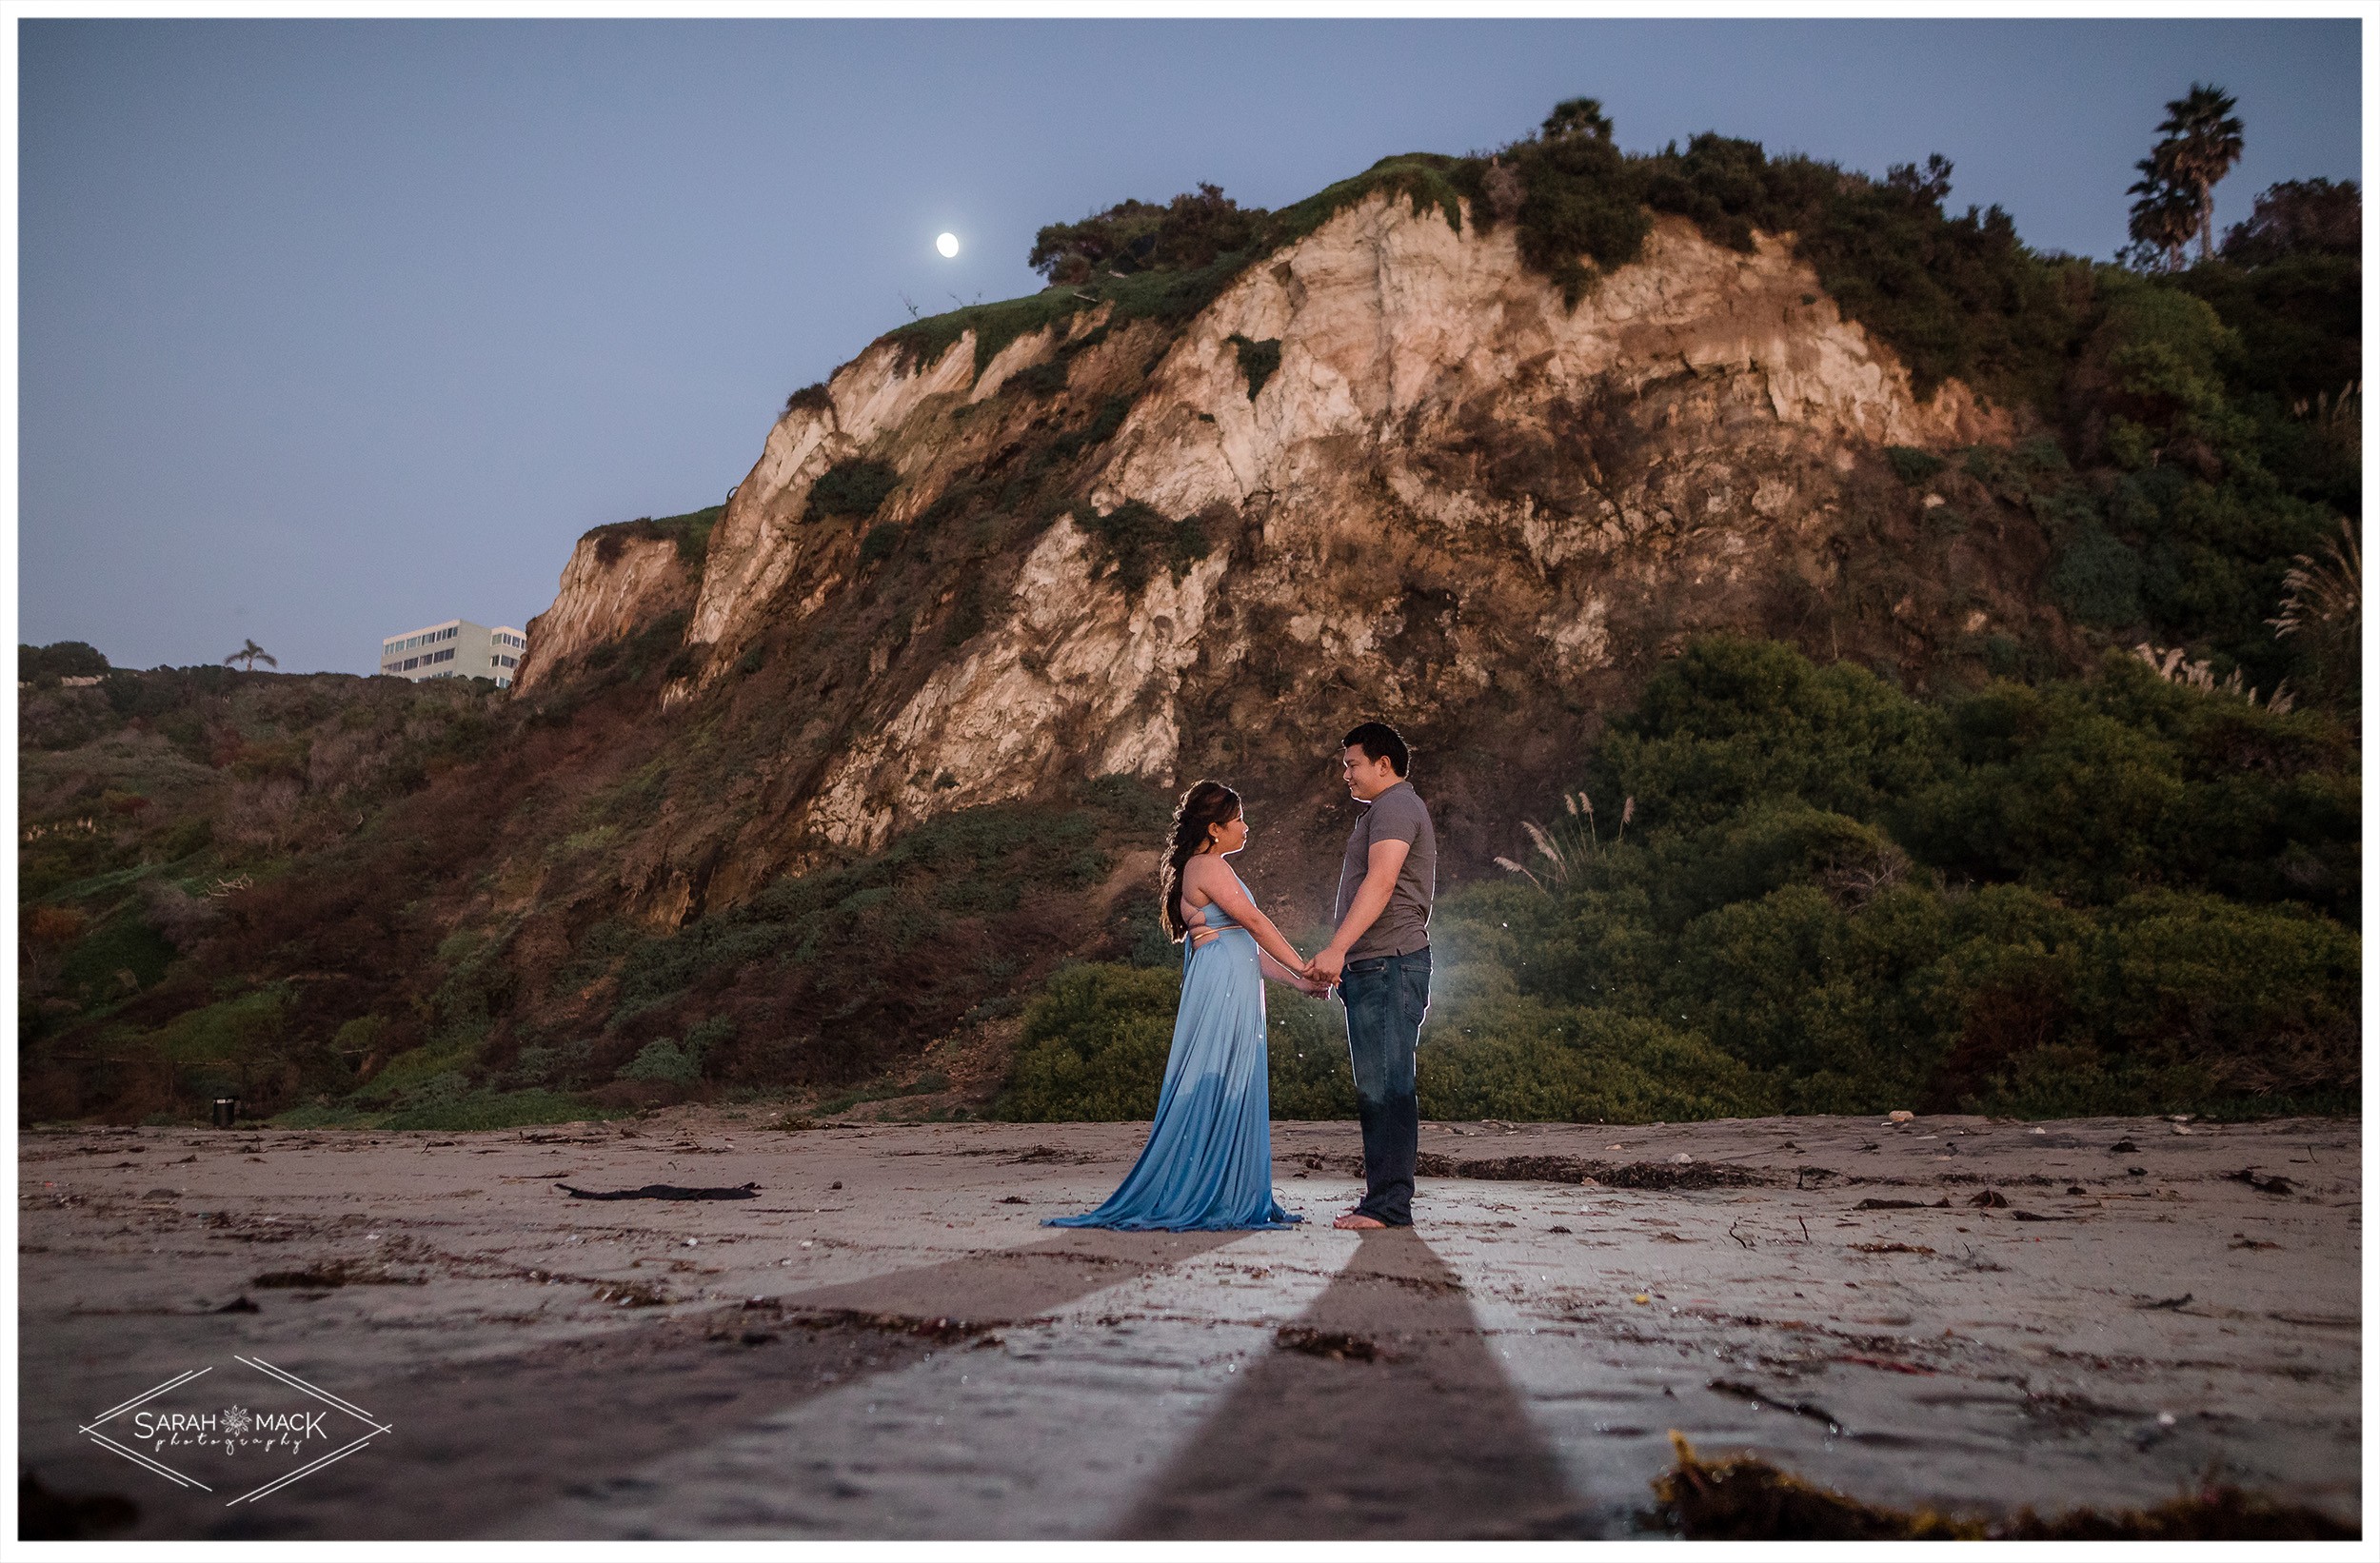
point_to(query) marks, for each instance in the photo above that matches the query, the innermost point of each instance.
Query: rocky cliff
(1385, 473)
(615, 583)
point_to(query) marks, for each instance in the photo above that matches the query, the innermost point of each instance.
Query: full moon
(947, 243)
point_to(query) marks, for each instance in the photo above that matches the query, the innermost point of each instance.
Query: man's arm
(1381, 866)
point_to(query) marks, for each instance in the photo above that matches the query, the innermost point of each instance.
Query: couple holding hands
(1208, 1163)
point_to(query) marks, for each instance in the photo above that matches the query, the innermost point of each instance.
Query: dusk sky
(329, 330)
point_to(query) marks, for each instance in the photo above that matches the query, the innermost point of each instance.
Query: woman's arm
(1222, 887)
(1275, 971)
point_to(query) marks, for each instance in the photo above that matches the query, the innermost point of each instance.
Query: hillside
(825, 783)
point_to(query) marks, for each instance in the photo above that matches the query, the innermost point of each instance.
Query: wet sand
(884, 1343)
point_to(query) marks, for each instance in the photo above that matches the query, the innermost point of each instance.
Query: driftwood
(660, 1191)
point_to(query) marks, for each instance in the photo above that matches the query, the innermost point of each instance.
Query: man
(1380, 960)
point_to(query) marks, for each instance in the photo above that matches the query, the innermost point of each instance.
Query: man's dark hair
(1380, 741)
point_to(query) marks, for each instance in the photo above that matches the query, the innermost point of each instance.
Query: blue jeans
(1386, 996)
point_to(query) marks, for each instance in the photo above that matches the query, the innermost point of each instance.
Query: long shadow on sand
(1383, 1413)
(477, 1443)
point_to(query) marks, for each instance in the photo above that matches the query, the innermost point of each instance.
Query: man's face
(1366, 777)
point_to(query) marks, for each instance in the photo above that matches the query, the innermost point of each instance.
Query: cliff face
(613, 585)
(1453, 505)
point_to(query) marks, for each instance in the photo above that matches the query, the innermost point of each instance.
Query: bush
(1190, 231)
(662, 1060)
(1519, 1058)
(59, 660)
(1912, 466)
(2116, 894)
(2299, 217)
(828, 971)
(469, 1110)
(2097, 579)
(1306, 1049)
(1584, 203)
(691, 532)
(1096, 1038)
(852, 489)
(1134, 539)
(1094, 1046)
(1257, 359)
(1735, 721)
(1044, 379)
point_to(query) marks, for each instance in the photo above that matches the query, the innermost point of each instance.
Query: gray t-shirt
(1404, 926)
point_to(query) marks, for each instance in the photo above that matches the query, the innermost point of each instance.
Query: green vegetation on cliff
(1807, 891)
(691, 532)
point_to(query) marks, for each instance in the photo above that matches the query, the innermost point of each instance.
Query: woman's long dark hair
(1207, 803)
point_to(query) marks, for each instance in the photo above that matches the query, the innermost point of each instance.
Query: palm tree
(2202, 141)
(2168, 212)
(249, 655)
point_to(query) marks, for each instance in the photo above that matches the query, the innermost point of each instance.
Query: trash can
(227, 1108)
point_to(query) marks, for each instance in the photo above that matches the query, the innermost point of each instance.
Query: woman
(1208, 1165)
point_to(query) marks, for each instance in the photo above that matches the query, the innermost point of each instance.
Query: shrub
(1257, 361)
(1190, 231)
(1094, 1046)
(469, 1110)
(662, 1060)
(118, 958)
(1306, 1048)
(2158, 923)
(2297, 217)
(2097, 579)
(1522, 1060)
(1912, 466)
(1043, 380)
(855, 488)
(880, 543)
(1584, 203)
(1133, 540)
(691, 533)
(2248, 999)
(59, 660)
(1096, 1038)
(1731, 721)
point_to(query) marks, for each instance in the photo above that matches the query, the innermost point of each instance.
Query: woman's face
(1231, 834)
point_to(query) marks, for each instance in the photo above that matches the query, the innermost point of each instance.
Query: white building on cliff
(455, 649)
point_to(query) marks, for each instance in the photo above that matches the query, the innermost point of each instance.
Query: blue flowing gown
(1208, 1165)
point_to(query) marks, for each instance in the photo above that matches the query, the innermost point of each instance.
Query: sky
(331, 330)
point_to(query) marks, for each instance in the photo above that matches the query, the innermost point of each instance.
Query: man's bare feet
(1355, 1220)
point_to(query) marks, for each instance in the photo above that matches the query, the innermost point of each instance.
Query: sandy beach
(882, 1341)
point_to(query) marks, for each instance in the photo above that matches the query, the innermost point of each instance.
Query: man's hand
(1326, 965)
